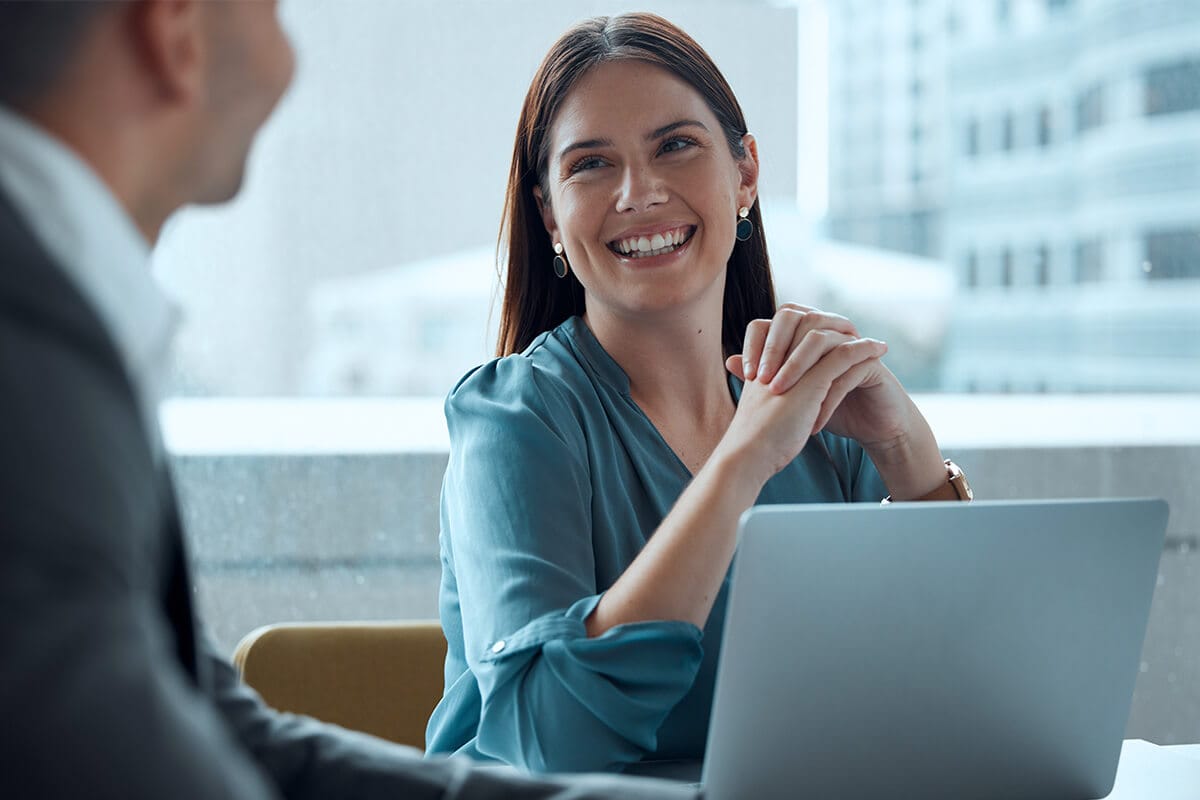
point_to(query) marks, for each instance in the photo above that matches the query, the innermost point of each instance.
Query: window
(1006, 267)
(1089, 109)
(1172, 254)
(1041, 265)
(1003, 13)
(1007, 132)
(1172, 88)
(971, 270)
(1045, 126)
(1089, 261)
(972, 138)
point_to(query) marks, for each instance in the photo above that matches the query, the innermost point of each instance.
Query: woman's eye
(590, 162)
(676, 144)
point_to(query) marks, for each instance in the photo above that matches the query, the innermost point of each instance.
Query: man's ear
(748, 167)
(547, 214)
(173, 42)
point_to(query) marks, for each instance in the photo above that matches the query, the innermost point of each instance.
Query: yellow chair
(379, 678)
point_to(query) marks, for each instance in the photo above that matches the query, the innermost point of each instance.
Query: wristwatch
(955, 487)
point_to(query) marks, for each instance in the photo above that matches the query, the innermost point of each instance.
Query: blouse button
(498, 646)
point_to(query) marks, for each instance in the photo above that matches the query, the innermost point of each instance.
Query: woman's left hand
(868, 404)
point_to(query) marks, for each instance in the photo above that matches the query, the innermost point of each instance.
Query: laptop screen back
(932, 649)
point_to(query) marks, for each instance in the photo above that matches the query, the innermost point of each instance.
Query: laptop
(932, 650)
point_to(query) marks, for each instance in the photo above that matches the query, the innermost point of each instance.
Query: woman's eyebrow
(683, 123)
(587, 144)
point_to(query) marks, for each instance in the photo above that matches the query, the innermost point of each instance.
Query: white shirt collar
(87, 232)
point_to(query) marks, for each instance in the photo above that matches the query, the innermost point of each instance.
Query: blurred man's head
(162, 97)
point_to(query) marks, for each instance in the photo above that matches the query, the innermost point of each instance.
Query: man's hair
(37, 40)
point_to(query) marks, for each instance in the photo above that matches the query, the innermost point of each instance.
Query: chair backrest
(379, 678)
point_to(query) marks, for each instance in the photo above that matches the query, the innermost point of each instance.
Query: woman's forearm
(680, 570)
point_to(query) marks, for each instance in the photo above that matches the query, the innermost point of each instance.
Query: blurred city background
(1008, 191)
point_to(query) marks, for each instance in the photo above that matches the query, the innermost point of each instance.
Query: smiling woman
(643, 398)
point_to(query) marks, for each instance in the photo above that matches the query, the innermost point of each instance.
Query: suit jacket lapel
(34, 291)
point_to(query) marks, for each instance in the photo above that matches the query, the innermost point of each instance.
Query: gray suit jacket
(106, 688)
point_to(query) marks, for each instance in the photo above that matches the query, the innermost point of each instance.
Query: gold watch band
(955, 487)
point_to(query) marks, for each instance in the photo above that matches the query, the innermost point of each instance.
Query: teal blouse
(555, 482)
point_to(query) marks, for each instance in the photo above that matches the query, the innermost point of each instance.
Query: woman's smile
(649, 247)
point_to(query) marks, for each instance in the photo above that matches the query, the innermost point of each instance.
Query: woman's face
(644, 191)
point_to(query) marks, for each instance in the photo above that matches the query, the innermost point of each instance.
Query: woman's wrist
(911, 464)
(739, 469)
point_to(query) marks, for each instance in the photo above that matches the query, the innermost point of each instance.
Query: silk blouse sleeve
(516, 504)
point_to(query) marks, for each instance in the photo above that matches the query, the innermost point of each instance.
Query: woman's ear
(547, 214)
(748, 167)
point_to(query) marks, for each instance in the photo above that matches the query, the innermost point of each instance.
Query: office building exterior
(1067, 202)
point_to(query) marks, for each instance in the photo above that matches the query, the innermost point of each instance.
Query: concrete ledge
(287, 521)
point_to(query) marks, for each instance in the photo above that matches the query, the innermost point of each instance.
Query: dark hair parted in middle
(535, 300)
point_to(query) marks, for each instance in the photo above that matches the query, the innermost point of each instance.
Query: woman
(599, 466)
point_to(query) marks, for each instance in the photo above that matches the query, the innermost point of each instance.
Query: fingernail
(747, 369)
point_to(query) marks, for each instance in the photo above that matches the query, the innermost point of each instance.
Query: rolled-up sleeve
(516, 517)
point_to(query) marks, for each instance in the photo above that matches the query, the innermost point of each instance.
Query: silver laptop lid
(932, 649)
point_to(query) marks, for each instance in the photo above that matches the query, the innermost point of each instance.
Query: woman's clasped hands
(807, 370)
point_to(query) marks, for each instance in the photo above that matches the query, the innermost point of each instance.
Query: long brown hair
(535, 300)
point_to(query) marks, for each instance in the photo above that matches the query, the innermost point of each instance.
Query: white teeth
(656, 252)
(659, 243)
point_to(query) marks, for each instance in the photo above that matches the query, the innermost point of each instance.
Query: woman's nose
(641, 188)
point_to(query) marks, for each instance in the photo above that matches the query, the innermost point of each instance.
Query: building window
(1089, 109)
(1006, 267)
(916, 88)
(1007, 132)
(1089, 260)
(1045, 127)
(1041, 265)
(1003, 13)
(1054, 6)
(972, 137)
(1172, 254)
(1172, 88)
(971, 270)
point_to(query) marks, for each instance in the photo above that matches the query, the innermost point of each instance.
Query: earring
(560, 261)
(745, 228)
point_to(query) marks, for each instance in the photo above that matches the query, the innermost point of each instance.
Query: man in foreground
(112, 116)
